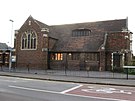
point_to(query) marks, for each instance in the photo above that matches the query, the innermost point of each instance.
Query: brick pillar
(102, 61)
(82, 61)
(45, 47)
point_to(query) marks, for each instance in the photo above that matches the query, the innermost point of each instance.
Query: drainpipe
(102, 54)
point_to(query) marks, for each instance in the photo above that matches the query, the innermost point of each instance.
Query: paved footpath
(64, 78)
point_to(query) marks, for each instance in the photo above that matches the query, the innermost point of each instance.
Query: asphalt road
(21, 89)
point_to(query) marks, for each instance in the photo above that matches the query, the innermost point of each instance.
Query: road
(22, 89)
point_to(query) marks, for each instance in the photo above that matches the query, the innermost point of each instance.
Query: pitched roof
(109, 25)
(90, 43)
(3, 46)
(42, 25)
(93, 42)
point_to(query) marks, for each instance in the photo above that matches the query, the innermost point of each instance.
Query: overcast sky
(53, 12)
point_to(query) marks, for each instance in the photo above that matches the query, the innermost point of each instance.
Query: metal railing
(66, 72)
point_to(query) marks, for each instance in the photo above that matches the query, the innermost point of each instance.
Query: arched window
(29, 40)
(33, 41)
(24, 41)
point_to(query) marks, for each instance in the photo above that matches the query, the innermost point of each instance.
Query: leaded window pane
(81, 32)
(29, 40)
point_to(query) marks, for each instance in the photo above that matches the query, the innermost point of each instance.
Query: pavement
(75, 79)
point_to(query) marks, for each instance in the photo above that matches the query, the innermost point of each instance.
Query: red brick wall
(35, 58)
(108, 61)
(116, 41)
(102, 63)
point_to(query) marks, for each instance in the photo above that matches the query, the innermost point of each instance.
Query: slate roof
(42, 25)
(89, 43)
(86, 43)
(3, 46)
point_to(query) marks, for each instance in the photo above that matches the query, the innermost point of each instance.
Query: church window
(29, 40)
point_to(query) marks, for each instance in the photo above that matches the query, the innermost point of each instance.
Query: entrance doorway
(117, 61)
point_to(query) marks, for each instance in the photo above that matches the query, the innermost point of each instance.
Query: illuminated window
(56, 56)
(29, 40)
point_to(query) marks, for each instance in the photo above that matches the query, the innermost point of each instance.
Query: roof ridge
(89, 22)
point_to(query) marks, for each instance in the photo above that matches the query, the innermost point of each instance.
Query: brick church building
(99, 46)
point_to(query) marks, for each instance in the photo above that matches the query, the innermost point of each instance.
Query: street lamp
(10, 55)
(11, 30)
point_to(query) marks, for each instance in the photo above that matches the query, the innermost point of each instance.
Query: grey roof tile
(90, 43)
(3, 46)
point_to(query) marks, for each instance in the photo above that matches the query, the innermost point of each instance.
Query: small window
(29, 22)
(74, 56)
(81, 32)
(91, 57)
(56, 56)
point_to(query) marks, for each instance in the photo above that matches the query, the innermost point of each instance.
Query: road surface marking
(12, 79)
(102, 98)
(68, 90)
(8, 80)
(64, 93)
(106, 90)
(32, 89)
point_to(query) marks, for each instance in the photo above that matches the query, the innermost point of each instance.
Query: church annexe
(98, 46)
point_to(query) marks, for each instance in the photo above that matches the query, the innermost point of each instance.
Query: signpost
(128, 67)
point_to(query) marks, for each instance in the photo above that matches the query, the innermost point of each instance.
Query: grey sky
(54, 12)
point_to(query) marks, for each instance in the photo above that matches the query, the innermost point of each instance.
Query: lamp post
(11, 30)
(10, 55)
